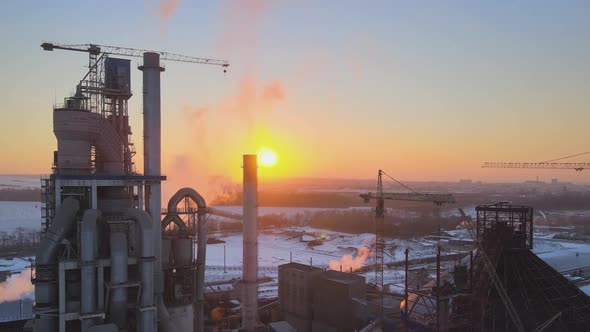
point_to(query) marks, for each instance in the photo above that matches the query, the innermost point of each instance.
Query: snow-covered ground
(15, 264)
(277, 246)
(288, 212)
(25, 215)
(563, 255)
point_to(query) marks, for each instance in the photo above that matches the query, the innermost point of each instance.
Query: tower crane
(105, 88)
(91, 88)
(96, 50)
(380, 197)
(549, 164)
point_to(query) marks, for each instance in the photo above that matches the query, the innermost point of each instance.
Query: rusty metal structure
(511, 288)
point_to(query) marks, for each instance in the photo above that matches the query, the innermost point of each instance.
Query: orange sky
(426, 93)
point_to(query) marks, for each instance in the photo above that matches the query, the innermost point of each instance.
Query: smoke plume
(348, 262)
(167, 9)
(249, 101)
(252, 97)
(16, 286)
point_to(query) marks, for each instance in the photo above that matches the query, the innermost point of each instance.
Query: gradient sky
(426, 90)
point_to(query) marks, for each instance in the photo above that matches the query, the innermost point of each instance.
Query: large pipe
(201, 261)
(152, 152)
(119, 257)
(250, 243)
(88, 252)
(201, 246)
(146, 313)
(173, 218)
(45, 285)
(61, 225)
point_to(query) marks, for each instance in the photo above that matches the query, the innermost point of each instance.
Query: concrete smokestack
(152, 153)
(250, 249)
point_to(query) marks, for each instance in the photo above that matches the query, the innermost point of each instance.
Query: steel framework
(575, 166)
(380, 197)
(95, 50)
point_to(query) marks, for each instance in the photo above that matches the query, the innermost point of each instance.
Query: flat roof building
(315, 300)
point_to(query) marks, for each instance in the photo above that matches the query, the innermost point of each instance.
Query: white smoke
(16, 287)
(349, 263)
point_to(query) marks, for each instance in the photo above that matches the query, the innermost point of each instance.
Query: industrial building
(107, 260)
(504, 286)
(314, 300)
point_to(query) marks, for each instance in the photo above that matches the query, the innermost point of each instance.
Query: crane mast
(380, 197)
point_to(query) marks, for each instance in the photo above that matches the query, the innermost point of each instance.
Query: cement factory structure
(501, 286)
(107, 261)
(111, 259)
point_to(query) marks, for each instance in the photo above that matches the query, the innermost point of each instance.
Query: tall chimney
(250, 249)
(152, 153)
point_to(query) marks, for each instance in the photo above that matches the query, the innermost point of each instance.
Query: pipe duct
(119, 257)
(173, 218)
(201, 246)
(88, 252)
(146, 311)
(45, 286)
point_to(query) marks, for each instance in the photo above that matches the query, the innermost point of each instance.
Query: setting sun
(267, 157)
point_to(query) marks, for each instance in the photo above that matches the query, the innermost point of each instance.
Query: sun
(267, 157)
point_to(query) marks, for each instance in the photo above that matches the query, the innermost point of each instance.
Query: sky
(426, 90)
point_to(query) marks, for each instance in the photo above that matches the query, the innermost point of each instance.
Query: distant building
(314, 300)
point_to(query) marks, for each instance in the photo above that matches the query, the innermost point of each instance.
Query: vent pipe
(152, 153)
(46, 295)
(250, 243)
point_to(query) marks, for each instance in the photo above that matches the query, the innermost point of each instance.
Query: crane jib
(94, 49)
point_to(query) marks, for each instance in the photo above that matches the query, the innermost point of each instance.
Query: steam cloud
(167, 9)
(348, 263)
(253, 97)
(16, 286)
